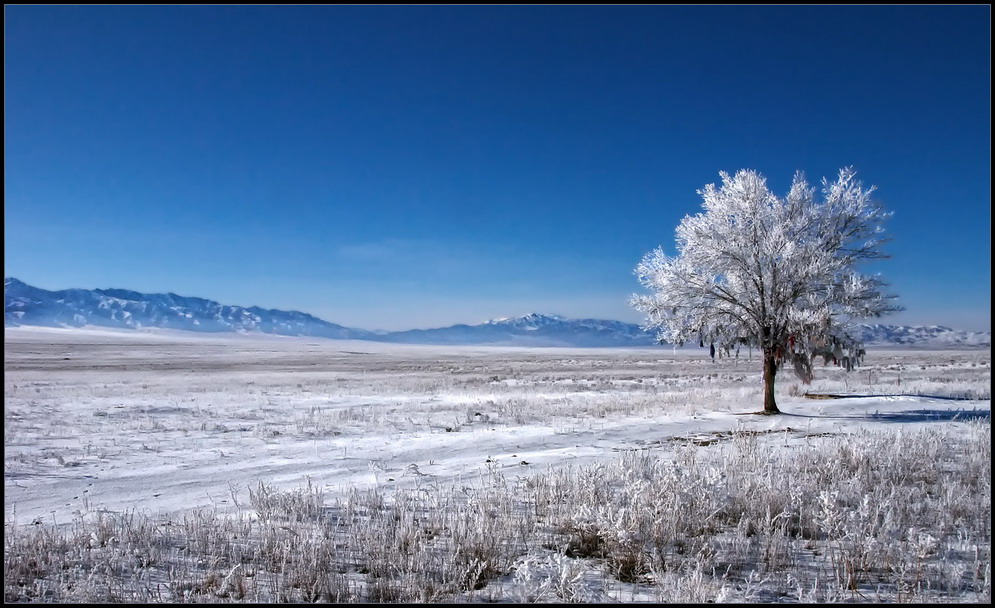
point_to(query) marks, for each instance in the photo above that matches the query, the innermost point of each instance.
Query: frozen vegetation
(781, 275)
(157, 467)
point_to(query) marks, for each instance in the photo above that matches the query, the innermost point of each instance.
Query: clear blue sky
(390, 167)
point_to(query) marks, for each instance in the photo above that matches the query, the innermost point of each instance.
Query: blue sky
(390, 167)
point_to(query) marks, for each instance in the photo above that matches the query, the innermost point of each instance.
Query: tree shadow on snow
(875, 395)
(923, 415)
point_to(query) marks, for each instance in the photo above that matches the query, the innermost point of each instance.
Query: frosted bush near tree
(777, 274)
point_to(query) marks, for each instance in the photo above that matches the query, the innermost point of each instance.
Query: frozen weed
(301, 504)
(740, 516)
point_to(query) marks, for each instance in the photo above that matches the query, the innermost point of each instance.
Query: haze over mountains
(121, 308)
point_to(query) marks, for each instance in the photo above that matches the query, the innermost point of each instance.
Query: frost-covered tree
(777, 274)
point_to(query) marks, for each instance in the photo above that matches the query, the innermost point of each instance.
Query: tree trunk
(770, 370)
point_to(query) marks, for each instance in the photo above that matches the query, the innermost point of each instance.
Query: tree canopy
(777, 273)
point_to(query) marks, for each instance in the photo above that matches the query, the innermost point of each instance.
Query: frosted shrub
(693, 583)
(295, 505)
(724, 514)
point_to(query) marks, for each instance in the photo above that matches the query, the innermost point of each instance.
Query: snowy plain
(166, 423)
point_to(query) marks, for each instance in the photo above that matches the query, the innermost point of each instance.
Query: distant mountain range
(120, 308)
(27, 305)
(531, 330)
(931, 335)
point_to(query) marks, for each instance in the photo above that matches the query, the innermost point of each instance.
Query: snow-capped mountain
(532, 330)
(931, 335)
(120, 308)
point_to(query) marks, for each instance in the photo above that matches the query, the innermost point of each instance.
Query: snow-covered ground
(165, 423)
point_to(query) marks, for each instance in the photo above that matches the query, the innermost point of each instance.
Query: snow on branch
(754, 268)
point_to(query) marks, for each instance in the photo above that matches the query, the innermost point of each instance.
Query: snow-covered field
(103, 426)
